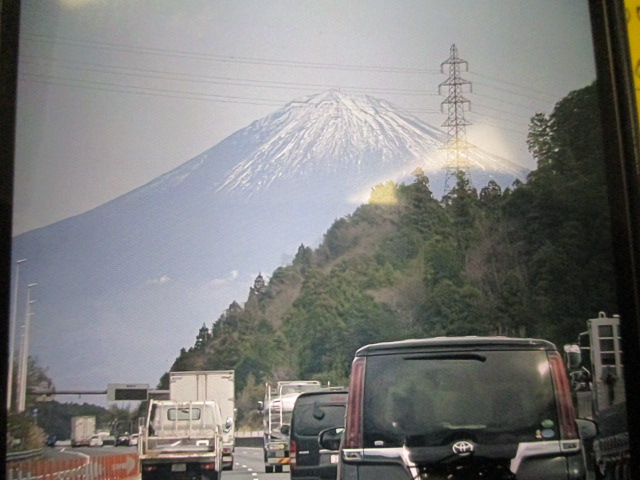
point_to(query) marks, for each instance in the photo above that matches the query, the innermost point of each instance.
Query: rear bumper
(535, 461)
(277, 460)
(276, 453)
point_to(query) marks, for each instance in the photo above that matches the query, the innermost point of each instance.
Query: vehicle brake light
(293, 451)
(208, 466)
(566, 412)
(353, 430)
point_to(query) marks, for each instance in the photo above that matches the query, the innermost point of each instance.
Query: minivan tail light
(353, 425)
(566, 412)
(293, 453)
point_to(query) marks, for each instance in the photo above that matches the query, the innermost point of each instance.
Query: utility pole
(12, 334)
(24, 361)
(456, 146)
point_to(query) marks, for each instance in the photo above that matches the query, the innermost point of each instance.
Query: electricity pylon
(457, 147)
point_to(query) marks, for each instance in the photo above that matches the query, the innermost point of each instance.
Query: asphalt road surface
(249, 464)
(248, 461)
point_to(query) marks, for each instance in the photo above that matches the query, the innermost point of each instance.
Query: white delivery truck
(82, 429)
(218, 386)
(181, 440)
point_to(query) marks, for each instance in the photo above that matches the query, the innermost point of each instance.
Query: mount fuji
(121, 288)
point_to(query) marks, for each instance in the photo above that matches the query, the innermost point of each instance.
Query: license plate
(334, 458)
(179, 467)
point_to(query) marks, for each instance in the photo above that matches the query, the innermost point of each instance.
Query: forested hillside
(533, 260)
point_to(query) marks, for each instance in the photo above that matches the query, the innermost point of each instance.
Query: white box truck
(82, 429)
(218, 386)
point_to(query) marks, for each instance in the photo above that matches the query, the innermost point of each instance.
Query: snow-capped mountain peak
(328, 133)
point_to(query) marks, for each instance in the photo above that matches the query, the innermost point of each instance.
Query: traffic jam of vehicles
(459, 408)
(455, 408)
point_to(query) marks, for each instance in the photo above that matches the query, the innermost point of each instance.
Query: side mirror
(285, 429)
(260, 407)
(227, 425)
(588, 428)
(330, 438)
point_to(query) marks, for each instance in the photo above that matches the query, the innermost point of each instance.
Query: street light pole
(13, 334)
(24, 366)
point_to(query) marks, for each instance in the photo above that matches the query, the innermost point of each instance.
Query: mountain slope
(129, 281)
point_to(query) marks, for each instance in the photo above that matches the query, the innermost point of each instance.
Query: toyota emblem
(462, 448)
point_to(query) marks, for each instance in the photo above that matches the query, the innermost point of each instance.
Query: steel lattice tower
(456, 146)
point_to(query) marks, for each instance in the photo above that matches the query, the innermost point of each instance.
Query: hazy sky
(113, 93)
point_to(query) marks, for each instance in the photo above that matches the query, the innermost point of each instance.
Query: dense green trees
(533, 260)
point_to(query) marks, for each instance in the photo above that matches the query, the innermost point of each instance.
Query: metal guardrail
(27, 454)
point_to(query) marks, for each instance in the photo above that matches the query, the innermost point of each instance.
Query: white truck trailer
(599, 393)
(181, 441)
(82, 429)
(218, 386)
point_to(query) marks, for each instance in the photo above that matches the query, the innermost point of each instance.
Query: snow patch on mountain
(329, 133)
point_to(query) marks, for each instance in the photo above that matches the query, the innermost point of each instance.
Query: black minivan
(460, 408)
(315, 412)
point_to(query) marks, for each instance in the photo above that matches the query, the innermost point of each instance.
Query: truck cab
(181, 439)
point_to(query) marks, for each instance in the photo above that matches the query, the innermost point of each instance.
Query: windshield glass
(427, 400)
(181, 414)
(310, 419)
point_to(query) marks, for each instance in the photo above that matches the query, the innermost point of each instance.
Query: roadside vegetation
(44, 418)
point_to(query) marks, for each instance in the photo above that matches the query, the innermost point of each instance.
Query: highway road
(249, 464)
(248, 461)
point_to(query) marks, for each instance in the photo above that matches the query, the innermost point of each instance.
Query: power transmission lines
(121, 78)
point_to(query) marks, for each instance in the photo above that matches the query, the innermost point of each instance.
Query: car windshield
(311, 418)
(493, 397)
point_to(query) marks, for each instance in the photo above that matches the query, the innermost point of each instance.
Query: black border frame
(622, 156)
(9, 27)
(622, 147)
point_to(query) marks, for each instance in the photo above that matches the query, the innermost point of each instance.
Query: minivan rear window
(490, 397)
(314, 417)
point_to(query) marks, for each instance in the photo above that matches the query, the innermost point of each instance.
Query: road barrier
(85, 467)
(15, 456)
